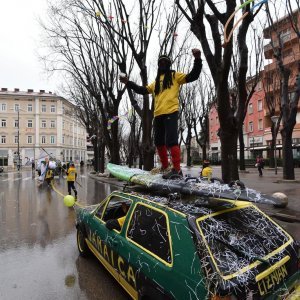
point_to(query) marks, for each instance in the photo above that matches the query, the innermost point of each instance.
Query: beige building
(38, 123)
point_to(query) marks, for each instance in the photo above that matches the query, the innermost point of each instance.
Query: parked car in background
(189, 247)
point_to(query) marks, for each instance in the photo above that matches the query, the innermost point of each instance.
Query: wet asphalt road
(38, 252)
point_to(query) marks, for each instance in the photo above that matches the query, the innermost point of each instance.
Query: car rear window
(237, 237)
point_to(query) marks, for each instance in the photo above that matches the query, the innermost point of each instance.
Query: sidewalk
(269, 183)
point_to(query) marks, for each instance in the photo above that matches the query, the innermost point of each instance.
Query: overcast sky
(20, 34)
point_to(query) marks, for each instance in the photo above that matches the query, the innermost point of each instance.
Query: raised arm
(131, 85)
(195, 72)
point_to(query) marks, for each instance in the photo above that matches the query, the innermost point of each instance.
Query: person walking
(49, 175)
(71, 178)
(260, 165)
(165, 91)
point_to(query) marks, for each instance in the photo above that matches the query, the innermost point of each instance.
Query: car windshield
(240, 236)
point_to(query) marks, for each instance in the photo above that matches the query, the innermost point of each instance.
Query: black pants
(166, 130)
(71, 186)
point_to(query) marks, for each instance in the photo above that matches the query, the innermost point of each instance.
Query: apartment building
(283, 35)
(257, 123)
(38, 123)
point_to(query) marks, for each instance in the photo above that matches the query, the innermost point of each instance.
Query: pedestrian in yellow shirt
(49, 175)
(71, 178)
(165, 91)
(206, 170)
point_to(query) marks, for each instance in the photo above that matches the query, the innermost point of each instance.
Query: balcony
(290, 37)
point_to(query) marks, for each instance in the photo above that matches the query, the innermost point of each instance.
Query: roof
(188, 204)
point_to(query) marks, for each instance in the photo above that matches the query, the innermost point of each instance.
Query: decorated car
(189, 247)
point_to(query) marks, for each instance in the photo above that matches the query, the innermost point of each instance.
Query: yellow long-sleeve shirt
(71, 174)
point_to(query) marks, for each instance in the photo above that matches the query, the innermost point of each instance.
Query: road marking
(17, 179)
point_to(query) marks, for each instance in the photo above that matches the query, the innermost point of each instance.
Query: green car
(189, 248)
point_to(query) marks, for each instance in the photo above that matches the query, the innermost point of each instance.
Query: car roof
(188, 204)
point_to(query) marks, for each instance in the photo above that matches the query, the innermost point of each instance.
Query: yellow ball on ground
(69, 200)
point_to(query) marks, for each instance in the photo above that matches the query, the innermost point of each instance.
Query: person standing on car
(71, 178)
(165, 91)
(260, 165)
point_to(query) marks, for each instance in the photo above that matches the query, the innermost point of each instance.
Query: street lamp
(275, 120)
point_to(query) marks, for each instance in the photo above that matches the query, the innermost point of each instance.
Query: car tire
(81, 243)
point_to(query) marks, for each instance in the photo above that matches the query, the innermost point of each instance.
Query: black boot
(173, 174)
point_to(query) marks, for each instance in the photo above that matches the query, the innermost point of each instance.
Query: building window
(63, 124)
(29, 107)
(63, 139)
(3, 139)
(260, 124)
(285, 35)
(16, 139)
(250, 108)
(259, 105)
(250, 126)
(286, 53)
(63, 110)
(3, 123)
(52, 109)
(43, 139)
(3, 106)
(29, 139)
(17, 106)
(52, 124)
(52, 139)
(29, 123)
(16, 123)
(44, 108)
(43, 123)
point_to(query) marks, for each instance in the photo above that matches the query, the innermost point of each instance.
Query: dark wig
(167, 82)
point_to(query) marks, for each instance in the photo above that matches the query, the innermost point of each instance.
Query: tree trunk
(147, 143)
(102, 157)
(204, 154)
(287, 154)
(229, 157)
(188, 156)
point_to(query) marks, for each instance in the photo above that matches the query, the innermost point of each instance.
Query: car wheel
(81, 244)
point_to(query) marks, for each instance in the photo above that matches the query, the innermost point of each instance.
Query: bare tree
(82, 49)
(289, 88)
(138, 36)
(203, 15)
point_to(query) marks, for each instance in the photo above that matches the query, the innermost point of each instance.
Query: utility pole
(18, 162)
